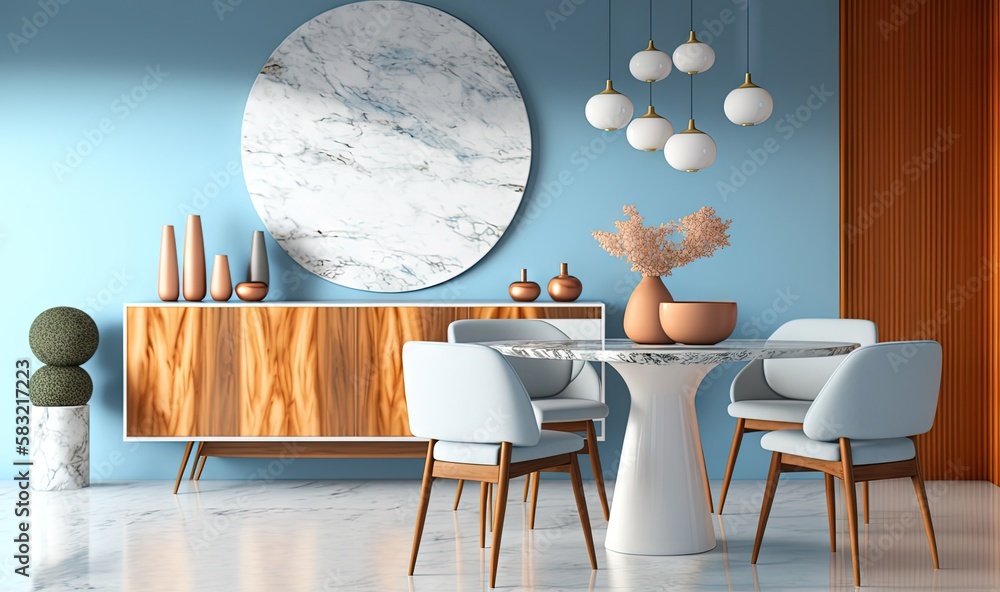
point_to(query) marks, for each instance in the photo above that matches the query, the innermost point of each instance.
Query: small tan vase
(642, 313)
(524, 291)
(222, 280)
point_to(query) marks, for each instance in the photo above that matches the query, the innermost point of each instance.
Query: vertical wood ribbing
(919, 216)
(993, 174)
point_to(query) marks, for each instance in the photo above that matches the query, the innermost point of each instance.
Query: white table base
(659, 505)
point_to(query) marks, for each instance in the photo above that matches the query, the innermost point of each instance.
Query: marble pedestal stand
(60, 448)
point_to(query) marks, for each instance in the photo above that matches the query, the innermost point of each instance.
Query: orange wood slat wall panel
(919, 251)
(993, 173)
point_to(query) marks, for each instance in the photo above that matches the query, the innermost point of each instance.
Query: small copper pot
(564, 287)
(524, 291)
(251, 291)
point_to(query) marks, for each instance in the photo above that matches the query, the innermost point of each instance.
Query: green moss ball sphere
(60, 386)
(63, 336)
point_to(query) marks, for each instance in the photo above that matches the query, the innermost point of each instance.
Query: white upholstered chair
(859, 428)
(481, 426)
(772, 395)
(565, 392)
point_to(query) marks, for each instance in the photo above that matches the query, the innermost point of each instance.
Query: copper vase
(168, 285)
(642, 313)
(222, 281)
(564, 287)
(194, 260)
(524, 291)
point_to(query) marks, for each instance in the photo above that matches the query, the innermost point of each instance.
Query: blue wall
(87, 234)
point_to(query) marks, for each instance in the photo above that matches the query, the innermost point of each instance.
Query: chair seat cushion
(557, 409)
(550, 444)
(790, 411)
(863, 452)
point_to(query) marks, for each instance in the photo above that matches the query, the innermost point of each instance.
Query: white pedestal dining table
(659, 505)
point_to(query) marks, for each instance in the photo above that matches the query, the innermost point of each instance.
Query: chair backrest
(541, 378)
(466, 393)
(887, 390)
(803, 378)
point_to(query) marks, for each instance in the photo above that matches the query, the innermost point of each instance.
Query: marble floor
(355, 536)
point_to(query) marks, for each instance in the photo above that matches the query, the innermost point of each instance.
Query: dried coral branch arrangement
(651, 250)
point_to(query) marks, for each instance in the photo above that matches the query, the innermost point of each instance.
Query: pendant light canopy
(650, 64)
(748, 104)
(692, 149)
(609, 110)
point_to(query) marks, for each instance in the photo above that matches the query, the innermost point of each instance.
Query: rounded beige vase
(642, 313)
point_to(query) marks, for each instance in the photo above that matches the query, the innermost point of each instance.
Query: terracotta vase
(258, 269)
(251, 291)
(642, 313)
(194, 260)
(168, 285)
(564, 287)
(222, 281)
(524, 291)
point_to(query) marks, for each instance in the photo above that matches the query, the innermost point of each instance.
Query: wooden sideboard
(327, 376)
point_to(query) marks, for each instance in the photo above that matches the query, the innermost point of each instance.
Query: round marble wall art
(386, 146)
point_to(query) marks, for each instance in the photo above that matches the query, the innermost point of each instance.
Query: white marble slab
(386, 146)
(60, 447)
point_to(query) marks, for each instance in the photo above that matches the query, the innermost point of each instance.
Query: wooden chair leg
(852, 506)
(502, 486)
(595, 466)
(527, 484)
(201, 467)
(704, 477)
(535, 483)
(197, 457)
(425, 496)
(489, 505)
(581, 506)
(458, 494)
(765, 508)
(864, 500)
(483, 494)
(918, 486)
(831, 511)
(184, 462)
(731, 463)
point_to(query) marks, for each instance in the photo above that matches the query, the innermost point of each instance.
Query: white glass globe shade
(650, 64)
(691, 150)
(748, 104)
(649, 132)
(693, 56)
(609, 110)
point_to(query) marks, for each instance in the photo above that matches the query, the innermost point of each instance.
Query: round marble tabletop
(627, 351)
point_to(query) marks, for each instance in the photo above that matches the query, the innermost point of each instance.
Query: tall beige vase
(642, 313)
(168, 284)
(194, 260)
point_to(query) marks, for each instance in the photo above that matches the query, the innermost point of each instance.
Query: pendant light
(651, 131)
(693, 56)
(692, 149)
(650, 64)
(748, 104)
(609, 110)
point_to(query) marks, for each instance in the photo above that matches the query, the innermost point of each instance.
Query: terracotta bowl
(698, 323)
(251, 291)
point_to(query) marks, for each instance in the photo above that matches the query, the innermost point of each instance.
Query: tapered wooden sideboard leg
(184, 462)
(201, 467)
(197, 456)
